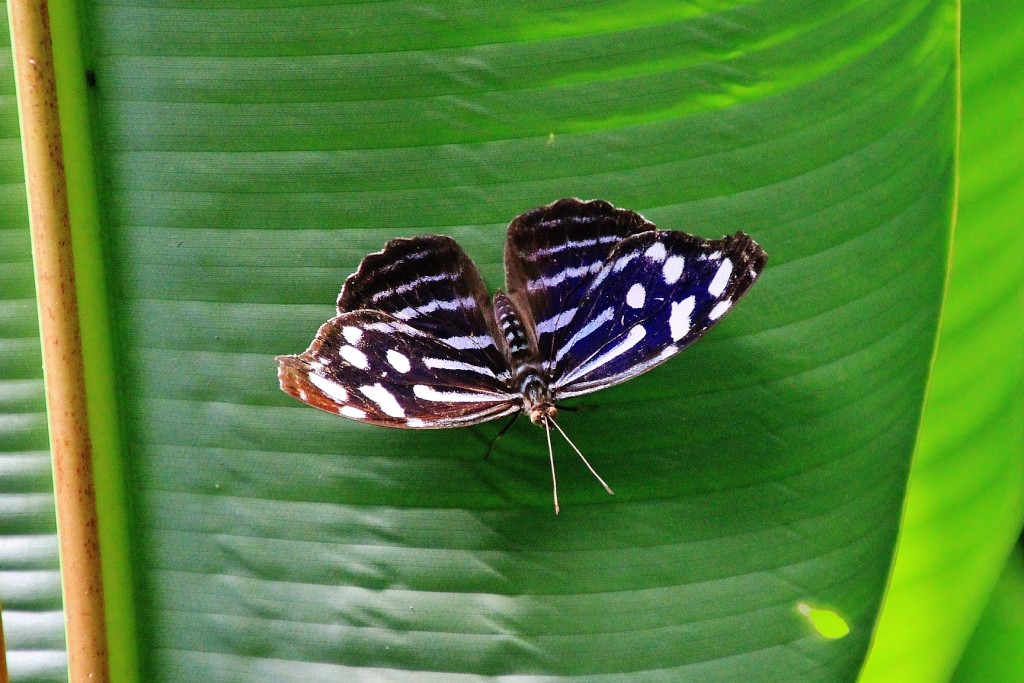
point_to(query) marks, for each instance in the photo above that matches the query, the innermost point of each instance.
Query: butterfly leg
(578, 407)
(501, 433)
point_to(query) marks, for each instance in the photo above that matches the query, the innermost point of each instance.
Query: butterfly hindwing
(370, 366)
(553, 251)
(656, 293)
(430, 284)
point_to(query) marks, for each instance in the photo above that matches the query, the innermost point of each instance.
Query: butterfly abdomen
(527, 377)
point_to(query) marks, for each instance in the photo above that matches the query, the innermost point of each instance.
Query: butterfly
(596, 295)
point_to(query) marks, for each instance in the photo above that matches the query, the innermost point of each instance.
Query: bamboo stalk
(63, 371)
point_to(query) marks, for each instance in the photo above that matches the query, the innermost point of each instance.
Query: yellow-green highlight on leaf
(828, 623)
(995, 653)
(965, 505)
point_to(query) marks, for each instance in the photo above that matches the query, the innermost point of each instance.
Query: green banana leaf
(248, 157)
(965, 507)
(995, 653)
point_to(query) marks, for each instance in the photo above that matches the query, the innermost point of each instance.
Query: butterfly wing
(554, 252)
(413, 344)
(430, 284)
(372, 367)
(656, 293)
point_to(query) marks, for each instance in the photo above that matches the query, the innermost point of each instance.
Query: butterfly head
(538, 402)
(538, 413)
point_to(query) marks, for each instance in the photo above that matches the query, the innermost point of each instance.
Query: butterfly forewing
(372, 367)
(553, 252)
(657, 292)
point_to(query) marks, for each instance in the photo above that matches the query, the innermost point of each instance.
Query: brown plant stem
(70, 443)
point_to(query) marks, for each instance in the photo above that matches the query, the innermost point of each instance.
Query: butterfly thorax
(527, 376)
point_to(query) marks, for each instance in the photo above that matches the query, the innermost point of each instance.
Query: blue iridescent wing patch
(656, 293)
(554, 252)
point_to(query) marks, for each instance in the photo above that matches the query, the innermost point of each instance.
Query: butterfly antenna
(551, 456)
(566, 437)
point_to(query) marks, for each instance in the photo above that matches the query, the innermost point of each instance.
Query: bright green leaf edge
(965, 504)
(995, 653)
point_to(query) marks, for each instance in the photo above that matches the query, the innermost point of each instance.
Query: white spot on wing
(721, 278)
(719, 310)
(636, 295)
(416, 422)
(488, 413)
(469, 342)
(384, 398)
(601, 275)
(451, 305)
(354, 356)
(656, 252)
(445, 364)
(352, 334)
(398, 361)
(679, 318)
(570, 244)
(588, 329)
(557, 321)
(636, 333)
(413, 285)
(331, 389)
(672, 269)
(414, 256)
(624, 261)
(428, 393)
(558, 278)
(353, 412)
(610, 268)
